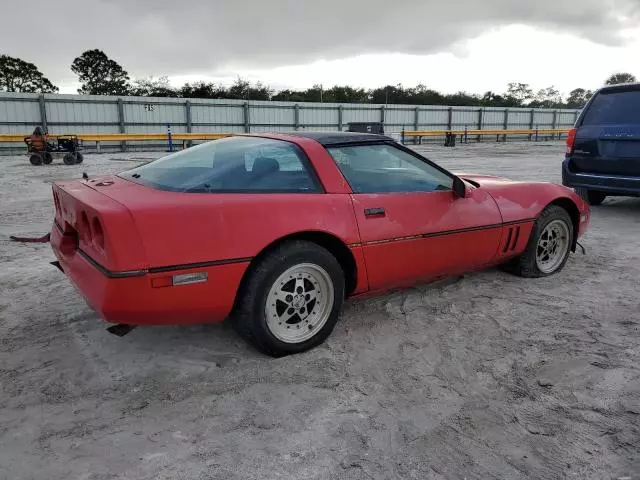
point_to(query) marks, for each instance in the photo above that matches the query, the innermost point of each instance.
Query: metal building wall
(20, 113)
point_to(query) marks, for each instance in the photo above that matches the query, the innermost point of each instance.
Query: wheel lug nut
(288, 298)
(307, 296)
(299, 289)
(290, 311)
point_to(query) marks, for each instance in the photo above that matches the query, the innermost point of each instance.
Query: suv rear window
(614, 107)
(233, 164)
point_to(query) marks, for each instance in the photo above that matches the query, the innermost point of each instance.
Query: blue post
(169, 138)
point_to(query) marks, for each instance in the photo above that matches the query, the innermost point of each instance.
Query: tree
(289, 96)
(578, 98)
(149, 87)
(519, 92)
(242, 90)
(547, 98)
(618, 78)
(99, 74)
(16, 75)
(202, 90)
(345, 94)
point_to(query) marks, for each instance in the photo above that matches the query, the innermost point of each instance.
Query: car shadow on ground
(620, 205)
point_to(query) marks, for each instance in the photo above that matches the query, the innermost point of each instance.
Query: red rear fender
(97, 225)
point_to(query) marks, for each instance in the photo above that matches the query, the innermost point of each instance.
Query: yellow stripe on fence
(123, 137)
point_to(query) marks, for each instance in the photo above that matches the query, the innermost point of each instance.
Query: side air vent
(515, 240)
(513, 235)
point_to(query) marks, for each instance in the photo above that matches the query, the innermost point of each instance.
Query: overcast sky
(472, 45)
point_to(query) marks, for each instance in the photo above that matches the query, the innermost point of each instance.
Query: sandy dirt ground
(485, 376)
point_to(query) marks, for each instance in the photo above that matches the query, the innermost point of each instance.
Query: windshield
(232, 164)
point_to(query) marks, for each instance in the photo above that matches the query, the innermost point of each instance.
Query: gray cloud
(203, 36)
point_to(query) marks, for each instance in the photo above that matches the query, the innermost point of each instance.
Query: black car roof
(621, 87)
(329, 139)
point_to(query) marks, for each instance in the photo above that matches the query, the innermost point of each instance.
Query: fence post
(531, 120)
(506, 123)
(187, 117)
(296, 116)
(43, 114)
(416, 121)
(480, 120)
(247, 124)
(169, 139)
(537, 127)
(450, 118)
(382, 108)
(554, 124)
(402, 136)
(123, 144)
(466, 136)
(576, 114)
(339, 118)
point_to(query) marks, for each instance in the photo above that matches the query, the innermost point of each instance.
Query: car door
(412, 226)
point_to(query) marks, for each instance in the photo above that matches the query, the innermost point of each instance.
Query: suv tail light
(571, 139)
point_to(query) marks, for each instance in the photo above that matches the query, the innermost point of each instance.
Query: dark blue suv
(603, 150)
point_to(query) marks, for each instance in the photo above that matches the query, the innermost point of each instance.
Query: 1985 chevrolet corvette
(274, 231)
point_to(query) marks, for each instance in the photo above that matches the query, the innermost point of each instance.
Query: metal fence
(75, 114)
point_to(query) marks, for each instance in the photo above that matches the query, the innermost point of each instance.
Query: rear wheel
(549, 245)
(36, 159)
(590, 196)
(47, 158)
(291, 300)
(69, 159)
(79, 157)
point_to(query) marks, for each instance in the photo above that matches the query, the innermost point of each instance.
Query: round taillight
(98, 233)
(85, 228)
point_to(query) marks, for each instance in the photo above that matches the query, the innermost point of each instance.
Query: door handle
(374, 212)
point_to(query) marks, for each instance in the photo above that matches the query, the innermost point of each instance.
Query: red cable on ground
(43, 239)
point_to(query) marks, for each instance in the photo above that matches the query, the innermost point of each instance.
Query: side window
(387, 169)
(234, 164)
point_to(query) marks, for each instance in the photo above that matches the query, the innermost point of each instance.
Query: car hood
(484, 180)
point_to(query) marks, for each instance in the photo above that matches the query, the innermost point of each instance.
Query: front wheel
(549, 245)
(291, 300)
(590, 196)
(79, 158)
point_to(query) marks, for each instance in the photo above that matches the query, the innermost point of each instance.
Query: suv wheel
(590, 196)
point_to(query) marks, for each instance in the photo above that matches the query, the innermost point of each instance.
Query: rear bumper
(130, 297)
(605, 183)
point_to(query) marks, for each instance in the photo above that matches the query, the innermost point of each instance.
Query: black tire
(36, 159)
(526, 265)
(47, 158)
(79, 158)
(69, 159)
(249, 318)
(590, 196)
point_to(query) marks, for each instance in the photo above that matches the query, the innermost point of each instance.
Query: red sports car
(276, 230)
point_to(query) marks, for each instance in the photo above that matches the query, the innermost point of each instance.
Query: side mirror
(459, 188)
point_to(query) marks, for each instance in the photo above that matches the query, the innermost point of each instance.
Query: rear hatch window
(614, 108)
(608, 134)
